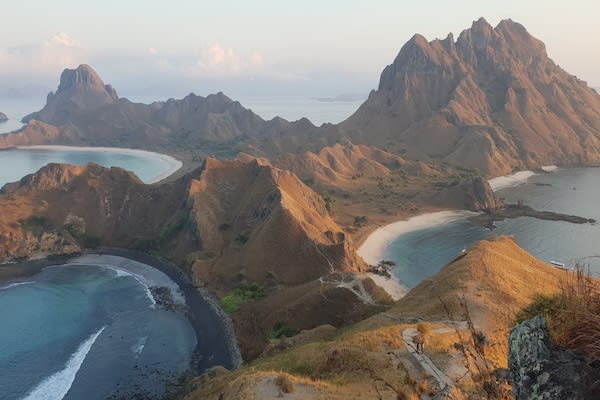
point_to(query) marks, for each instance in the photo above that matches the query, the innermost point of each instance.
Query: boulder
(539, 370)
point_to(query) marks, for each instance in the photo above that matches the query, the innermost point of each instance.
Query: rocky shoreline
(200, 310)
(489, 217)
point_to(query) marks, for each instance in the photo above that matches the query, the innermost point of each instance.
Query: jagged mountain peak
(84, 77)
(79, 89)
(491, 100)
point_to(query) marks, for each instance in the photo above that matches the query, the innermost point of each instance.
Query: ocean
(149, 167)
(423, 252)
(88, 331)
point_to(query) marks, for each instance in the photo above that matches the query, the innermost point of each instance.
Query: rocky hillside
(86, 111)
(373, 357)
(338, 165)
(491, 99)
(64, 205)
(230, 224)
(494, 278)
(259, 223)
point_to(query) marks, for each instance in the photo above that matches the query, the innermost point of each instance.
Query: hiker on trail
(419, 342)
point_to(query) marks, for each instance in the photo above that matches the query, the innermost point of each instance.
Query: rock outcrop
(540, 371)
(3, 117)
(492, 100)
(79, 90)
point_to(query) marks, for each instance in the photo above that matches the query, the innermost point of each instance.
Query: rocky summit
(491, 99)
(79, 89)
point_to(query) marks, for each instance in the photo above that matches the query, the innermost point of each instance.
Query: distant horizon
(316, 49)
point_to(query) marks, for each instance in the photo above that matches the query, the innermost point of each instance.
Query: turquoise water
(16, 163)
(86, 332)
(422, 253)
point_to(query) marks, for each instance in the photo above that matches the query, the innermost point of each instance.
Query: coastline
(375, 247)
(214, 346)
(173, 164)
(505, 181)
(200, 311)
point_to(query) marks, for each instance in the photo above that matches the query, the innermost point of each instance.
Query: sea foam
(16, 284)
(56, 386)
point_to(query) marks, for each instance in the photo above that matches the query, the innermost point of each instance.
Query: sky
(161, 49)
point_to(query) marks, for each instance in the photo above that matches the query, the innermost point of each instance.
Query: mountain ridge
(490, 100)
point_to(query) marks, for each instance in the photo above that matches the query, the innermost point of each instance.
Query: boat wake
(56, 386)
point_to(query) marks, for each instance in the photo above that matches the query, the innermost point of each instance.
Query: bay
(422, 253)
(88, 331)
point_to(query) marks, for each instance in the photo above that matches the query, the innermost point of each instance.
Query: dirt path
(425, 362)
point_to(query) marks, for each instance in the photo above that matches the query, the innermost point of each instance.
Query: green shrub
(360, 220)
(281, 329)
(245, 293)
(547, 306)
(231, 303)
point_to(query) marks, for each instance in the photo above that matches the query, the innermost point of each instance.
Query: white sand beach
(375, 248)
(517, 178)
(172, 163)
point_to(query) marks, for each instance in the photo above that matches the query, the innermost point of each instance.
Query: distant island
(3, 117)
(342, 98)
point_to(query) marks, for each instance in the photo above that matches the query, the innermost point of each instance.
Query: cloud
(219, 61)
(46, 58)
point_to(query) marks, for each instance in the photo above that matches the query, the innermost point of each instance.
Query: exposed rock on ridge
(539, 371)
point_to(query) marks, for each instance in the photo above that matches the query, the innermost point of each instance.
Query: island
(3, 117)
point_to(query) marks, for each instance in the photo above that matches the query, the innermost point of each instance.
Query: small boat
(558, 264)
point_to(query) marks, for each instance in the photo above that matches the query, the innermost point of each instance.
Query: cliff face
(491, 100)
